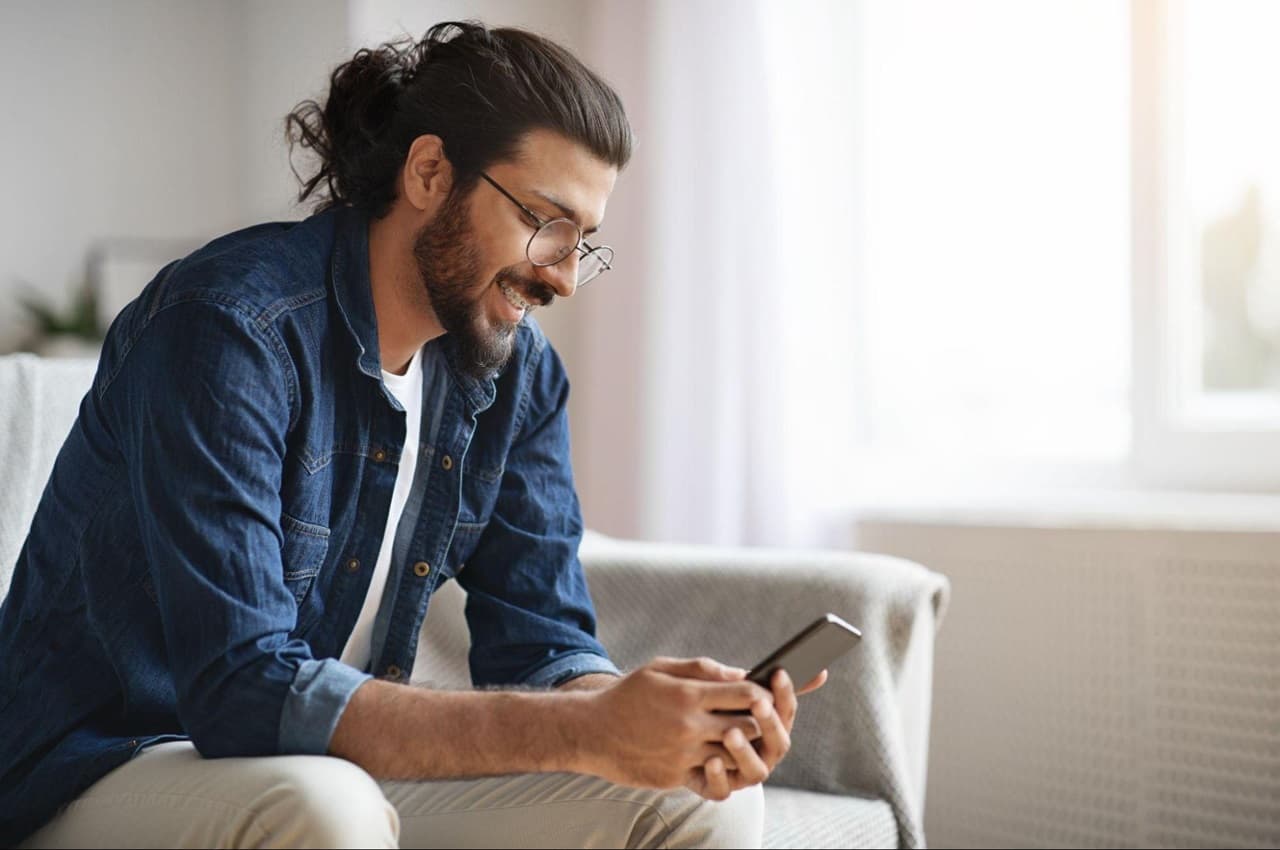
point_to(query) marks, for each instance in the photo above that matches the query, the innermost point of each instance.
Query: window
(997, 213)
(1064, 244)
(1228, 252)
(1206, 225)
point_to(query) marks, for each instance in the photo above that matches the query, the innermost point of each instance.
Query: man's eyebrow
(565, 210)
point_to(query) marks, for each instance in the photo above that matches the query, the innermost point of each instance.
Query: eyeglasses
(555, 240)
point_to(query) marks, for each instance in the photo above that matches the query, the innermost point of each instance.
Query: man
(294, 436)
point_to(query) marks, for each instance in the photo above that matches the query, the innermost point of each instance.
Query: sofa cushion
(796, 818)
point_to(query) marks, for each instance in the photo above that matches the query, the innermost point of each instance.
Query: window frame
(1177, 443)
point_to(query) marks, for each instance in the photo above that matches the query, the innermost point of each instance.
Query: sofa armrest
(866, 732)
(39, 401)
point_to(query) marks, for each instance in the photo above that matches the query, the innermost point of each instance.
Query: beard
(449, 262)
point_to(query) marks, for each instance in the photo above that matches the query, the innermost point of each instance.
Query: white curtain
(716, 375)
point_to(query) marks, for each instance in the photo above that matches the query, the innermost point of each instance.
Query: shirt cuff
(568, 667)
(318, 696)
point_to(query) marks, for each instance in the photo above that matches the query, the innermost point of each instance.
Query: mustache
(533, 291)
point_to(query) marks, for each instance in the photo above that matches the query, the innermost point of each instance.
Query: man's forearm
(396, 731)
(590, 682)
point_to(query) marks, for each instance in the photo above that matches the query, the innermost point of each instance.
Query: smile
(514, 298)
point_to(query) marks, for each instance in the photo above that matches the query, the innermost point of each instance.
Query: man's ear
(427, 177)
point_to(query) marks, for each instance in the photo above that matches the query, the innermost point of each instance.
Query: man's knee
(735, 822)
(320, 801)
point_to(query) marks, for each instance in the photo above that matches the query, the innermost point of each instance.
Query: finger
(719, 749)
(711, 750)
(718, 725)
(752, 769)
(737, 781)
(698, 668)
(814, 683)
(784, 698)
(731, 696)
(717, 780)
(714, 725)
(697, 782)
(776, 741)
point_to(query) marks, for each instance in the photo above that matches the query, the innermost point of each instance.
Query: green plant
(79, 320)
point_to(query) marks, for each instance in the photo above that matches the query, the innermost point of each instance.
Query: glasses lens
(595, 263)
(554, 241)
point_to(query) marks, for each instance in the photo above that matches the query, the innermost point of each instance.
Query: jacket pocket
(480, 490)
(303, 553)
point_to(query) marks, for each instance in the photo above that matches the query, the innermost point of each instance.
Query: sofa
(855, 776)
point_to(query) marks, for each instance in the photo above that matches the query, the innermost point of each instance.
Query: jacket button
(353, 566)
(447, 463)
(393, 672)
(379, 455)
(421, 569)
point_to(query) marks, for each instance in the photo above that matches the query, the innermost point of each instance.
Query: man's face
(472, 258)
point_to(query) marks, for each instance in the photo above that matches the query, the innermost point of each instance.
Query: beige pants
(171, 797)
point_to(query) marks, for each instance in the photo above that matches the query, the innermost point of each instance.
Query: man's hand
(666, 719)
(753, 760)
(679, 722)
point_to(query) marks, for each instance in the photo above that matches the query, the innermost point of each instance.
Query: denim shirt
(207, 536)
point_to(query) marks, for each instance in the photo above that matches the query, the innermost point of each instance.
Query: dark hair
(479, 89)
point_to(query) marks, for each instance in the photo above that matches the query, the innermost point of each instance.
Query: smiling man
(294, 436)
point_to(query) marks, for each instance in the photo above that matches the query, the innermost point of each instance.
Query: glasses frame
(583, 247)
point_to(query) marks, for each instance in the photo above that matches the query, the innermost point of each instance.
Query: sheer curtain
(719, 366)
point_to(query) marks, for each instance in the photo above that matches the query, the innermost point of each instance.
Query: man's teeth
(514, 298)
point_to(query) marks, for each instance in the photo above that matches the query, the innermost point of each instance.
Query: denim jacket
(206, 539)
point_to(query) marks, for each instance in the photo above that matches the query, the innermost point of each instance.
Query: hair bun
(345, 132)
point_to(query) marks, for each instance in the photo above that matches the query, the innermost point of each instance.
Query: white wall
(287, 48)
(374, 21)
(145, 119)
(118, 121)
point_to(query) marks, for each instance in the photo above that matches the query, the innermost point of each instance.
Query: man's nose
(562, 277)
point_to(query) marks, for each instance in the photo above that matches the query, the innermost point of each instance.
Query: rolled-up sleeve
(201, 408)
(529, 611)
(568, 667)
(316, 700)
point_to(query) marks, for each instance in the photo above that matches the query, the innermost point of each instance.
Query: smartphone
(808, 653)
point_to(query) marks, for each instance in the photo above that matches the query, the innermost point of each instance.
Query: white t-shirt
(407, 389)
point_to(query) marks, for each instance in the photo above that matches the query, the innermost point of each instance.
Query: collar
(353, 294)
